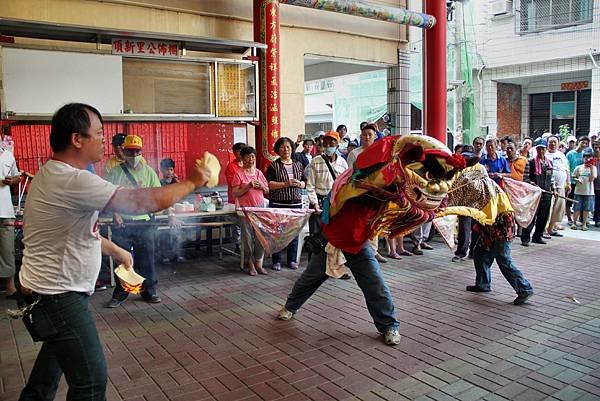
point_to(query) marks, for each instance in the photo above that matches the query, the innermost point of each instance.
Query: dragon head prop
(395, 185)
(427, 169)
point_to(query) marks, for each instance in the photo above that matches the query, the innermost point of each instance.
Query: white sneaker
(285, 314)
(392, 337)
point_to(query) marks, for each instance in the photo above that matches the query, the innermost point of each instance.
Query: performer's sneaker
(285, 314)
(392, 337)
(522, 298)
(380, 258)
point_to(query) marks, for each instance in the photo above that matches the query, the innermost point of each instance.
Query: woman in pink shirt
(249, 188)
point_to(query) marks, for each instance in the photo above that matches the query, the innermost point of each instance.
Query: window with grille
(541, 15)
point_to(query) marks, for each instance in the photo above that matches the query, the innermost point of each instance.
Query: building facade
(304, 33)
(538, 66)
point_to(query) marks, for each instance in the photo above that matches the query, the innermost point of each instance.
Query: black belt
(56, 296)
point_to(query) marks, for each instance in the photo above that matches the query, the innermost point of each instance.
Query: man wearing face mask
(320, 175)
(118, 158)
(127, 230)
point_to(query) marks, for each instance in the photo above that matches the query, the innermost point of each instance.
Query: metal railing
(541, 15)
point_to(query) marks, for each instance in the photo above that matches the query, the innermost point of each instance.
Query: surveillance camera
(457, 82)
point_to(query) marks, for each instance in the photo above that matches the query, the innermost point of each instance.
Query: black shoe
(524, 243)
(538, 241)
(12, 296)
(153, 299)
(417, 251)
(237, 248)
(597, 224)
(114, 303)
(457, 258)
(522, 298)
(474, 288)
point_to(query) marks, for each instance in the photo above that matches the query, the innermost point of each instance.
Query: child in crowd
(584, 176)
(167, 169)
(170, 247)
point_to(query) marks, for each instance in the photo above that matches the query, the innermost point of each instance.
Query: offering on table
(130, 280)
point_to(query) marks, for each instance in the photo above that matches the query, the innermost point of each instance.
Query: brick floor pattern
(215, 336)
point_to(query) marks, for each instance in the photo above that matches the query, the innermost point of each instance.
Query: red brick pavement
(215, 336)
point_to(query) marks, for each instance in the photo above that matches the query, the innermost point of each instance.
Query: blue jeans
(367, 273)
(75, 351)
(500, 251)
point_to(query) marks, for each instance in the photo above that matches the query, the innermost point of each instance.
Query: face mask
(133, 160)
(330, 150)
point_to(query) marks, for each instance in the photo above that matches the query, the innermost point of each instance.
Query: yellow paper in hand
(211, 163)
(130, 280)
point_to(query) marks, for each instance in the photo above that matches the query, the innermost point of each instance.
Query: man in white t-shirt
(63, 252)
(560, 176)
(9, 175)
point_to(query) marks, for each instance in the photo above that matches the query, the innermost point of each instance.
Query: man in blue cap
(540, 174)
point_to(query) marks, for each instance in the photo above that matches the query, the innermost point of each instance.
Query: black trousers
(539, 221)
(464, 236)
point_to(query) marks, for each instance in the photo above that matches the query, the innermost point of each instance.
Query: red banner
(270, 115)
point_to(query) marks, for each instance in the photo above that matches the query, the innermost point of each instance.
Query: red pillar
(266, 30)
(434, 72)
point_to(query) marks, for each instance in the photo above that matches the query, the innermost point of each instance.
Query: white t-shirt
(352, 156)
(61, 236)
(560, 168)
(587, 186)
(8, 168)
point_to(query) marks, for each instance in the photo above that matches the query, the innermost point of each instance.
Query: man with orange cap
(321, 173)
(128, 230)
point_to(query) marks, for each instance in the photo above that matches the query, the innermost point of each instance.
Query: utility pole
(458, 38)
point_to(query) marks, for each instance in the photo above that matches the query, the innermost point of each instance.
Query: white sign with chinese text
(145, 48)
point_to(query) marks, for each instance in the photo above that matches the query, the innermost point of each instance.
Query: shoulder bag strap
(329, 166)
(129, 175)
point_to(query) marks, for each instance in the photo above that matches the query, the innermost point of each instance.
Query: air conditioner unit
(501, 7)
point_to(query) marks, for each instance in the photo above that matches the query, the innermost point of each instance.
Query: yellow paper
(211, 163)
(129, 276)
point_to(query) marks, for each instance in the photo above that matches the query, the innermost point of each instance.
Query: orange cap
(332, 134)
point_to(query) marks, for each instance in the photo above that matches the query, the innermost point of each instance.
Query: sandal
(394, 256)
(425, 245)
(405, 253)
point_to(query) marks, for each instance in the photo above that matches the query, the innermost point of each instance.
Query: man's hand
(199, 175)
(11, 180)
(118, 220)
(122, 257)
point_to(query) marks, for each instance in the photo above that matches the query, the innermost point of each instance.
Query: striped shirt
(278, 172)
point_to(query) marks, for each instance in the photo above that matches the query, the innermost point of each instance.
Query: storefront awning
(77, 33)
